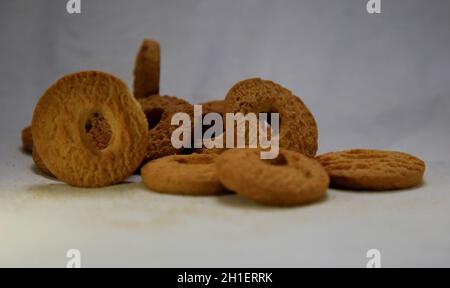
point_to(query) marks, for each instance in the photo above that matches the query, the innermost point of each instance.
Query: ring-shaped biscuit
(290, 179)
(159, 111)
(193, 174)
(376, 170)
(61, 125)
(298, 129)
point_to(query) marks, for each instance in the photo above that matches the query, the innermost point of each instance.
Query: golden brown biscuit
(193, 174)
(147, 69)
(27, 139)
(298, 129)
(290, 179)
(61, 124)
(159, 111)
(363, 169)
(217, 106)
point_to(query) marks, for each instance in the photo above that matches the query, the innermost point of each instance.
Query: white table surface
(127, 225)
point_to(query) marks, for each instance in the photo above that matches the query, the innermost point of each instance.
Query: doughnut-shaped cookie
(159, 111)
(298, 129)
(147, 69)
(363, 169)
(290, 179)
(193, 174)
(62, 122)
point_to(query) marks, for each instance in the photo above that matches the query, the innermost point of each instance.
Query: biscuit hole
(153, 117)
(98, 131)
(269, 116)
(279, 161)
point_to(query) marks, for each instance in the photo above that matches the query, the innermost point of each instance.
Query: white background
(375, 81)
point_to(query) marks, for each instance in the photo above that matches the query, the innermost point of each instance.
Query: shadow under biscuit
(63, 190)
(225, 193)
(35, 169)
(39, 172)
(236, 201)
(24, 151)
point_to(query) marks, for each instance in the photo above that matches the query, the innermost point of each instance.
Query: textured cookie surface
(159, 111)
(290, 179)
(98, 132)
(298, 129)
(62, 121)
(193, 174)
(363, 169)
(27, 139)
(147, 69)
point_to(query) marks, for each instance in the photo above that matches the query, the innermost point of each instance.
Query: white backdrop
(377, 81)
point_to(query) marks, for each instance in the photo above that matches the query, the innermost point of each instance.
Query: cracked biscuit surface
(365, 169)
(62, 122)
(290, 179)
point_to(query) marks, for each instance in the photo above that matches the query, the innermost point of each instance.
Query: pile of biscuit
(88, 130)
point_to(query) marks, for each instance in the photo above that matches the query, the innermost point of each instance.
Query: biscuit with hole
(290, 179)
(62, 121)
(193, 174)
(147, 69)
(298, 129)
(159, 111)
(364, 169)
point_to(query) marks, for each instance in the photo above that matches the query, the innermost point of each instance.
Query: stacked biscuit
(88, 130)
